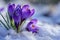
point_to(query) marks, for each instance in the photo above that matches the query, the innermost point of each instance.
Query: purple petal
(25, 11)
(26, 14)
(25, 7)
(1, 9)
(17, 15)
(34, 21)
(11, 9)
(32, 12)
(35, 30)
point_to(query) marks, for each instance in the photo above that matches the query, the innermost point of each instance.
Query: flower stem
(4, 25)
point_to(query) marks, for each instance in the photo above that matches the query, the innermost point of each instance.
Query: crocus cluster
(31, 27)
(19, 13)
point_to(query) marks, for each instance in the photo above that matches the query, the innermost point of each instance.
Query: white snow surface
(46, 32)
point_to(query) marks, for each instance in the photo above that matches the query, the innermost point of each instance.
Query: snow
(46, 32)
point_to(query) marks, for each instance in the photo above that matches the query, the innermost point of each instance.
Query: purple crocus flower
(15, 14)
(26, 12)
(11, 9)
(32, 26)
(18, 14)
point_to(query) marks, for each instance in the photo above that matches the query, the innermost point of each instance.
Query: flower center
(33, 26)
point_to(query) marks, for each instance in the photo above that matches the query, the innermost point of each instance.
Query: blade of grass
(4, 25)
(7, 17)
(5, 21)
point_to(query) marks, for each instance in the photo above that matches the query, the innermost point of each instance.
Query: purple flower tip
(34, 21)
(26, 12)
(1, 9)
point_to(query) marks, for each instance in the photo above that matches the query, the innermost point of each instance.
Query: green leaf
(20, 26)
(8, 19)
(13, 24)
(4, 25)
(5, 20)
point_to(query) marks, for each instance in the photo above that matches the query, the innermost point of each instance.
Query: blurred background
(47, 11)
